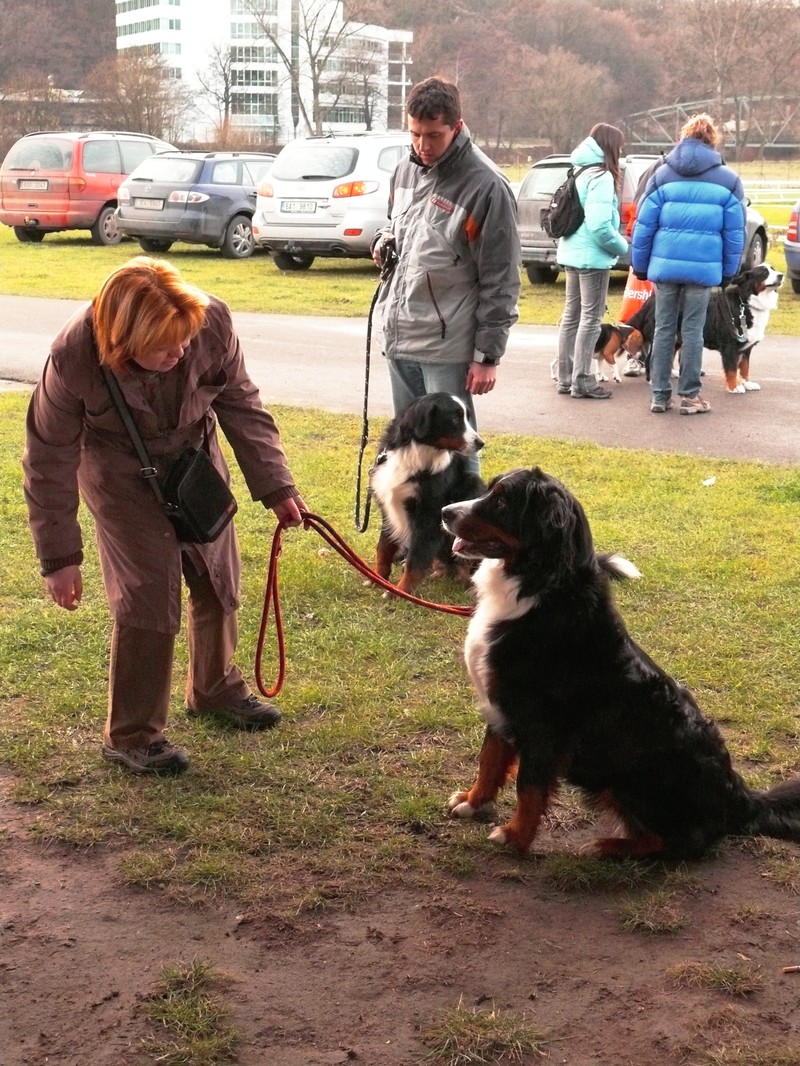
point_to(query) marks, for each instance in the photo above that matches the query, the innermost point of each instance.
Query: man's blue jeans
(410, 380)
(689, 302)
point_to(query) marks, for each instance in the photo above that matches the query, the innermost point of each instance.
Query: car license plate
(32, 183)
(148, 205)
(299, 207)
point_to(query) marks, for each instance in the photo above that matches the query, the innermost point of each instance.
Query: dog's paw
(738, 389)
(459, 807)
(504, 836)
(751, 386)
(601, 376)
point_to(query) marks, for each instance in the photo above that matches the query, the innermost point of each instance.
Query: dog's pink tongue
(458, 545)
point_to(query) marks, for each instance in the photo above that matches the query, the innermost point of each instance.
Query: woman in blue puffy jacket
(587, 257)
(688, 237)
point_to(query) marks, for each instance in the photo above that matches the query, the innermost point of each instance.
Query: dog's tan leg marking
(410, 579)
(520, 832)
(497, 763)
(385, 556)
(636, 847)
(731, 380)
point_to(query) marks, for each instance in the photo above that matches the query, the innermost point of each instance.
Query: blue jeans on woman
(584, 307)
(689, 304)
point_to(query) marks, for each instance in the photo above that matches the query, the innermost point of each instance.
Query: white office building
(258, 55)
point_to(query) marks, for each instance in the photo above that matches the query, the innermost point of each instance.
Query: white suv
(326, 196)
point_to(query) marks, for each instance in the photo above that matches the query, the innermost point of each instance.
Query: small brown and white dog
(609, 351)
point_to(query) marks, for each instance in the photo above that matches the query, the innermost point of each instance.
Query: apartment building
(274, 70)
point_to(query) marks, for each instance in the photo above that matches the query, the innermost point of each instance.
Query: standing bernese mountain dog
(422, 465)
(568, 695)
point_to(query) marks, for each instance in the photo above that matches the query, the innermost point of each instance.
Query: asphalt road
(320, 362)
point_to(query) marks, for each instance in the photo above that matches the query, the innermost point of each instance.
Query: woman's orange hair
(702, 128)
(143, 306)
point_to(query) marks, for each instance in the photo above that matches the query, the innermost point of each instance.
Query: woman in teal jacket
(587, 257)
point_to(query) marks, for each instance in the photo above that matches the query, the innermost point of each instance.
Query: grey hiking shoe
(694, 405)
(160, 757)
(249, 713)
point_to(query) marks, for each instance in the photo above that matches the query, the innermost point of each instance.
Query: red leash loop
(271, 596)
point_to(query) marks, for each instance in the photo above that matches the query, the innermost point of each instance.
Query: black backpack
(565, 213)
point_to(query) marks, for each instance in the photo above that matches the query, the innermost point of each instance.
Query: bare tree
(739, 53)
(567, 98)
(216, 83)
(321, 33)
(134, 91)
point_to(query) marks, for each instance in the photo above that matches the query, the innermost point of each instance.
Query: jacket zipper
(436, 306)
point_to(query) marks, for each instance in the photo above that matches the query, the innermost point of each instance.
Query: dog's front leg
(520, 832)
(497, 760)
(385, 554)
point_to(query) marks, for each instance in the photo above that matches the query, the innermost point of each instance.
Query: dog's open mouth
(483, 549)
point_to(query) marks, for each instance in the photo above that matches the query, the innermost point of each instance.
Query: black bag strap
(148, 471)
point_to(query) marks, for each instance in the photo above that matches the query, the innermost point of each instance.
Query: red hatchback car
(57, 181)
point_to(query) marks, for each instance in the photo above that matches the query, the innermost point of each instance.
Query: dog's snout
(478, 443)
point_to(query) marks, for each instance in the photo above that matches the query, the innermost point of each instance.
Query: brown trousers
(140, 674)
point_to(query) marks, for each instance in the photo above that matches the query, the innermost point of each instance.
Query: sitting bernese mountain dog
(568, 695)
(422, 465)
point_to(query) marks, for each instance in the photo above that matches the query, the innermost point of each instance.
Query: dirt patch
(80, 951)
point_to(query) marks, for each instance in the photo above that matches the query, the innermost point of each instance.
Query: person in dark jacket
(446, 309)
(689, 236)
(179, 365)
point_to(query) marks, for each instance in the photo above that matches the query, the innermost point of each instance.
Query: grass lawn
(380, 722)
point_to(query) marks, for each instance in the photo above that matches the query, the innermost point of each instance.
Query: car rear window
(40, 153)
(164, 168)
(314, 162)
(543, 181)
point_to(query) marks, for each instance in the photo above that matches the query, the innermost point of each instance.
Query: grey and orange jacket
(455, 287)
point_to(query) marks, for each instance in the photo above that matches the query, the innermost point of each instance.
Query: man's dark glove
(640, 274)
(725, 283)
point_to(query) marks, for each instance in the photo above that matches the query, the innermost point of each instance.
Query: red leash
(271, 596)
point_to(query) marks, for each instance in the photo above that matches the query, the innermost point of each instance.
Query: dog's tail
(775, 813)
(618, 567)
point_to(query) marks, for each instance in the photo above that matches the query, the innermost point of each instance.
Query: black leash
(389, 259)
(361, 526)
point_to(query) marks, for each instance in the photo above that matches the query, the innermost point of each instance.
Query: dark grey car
(198, 197)
(545, 176)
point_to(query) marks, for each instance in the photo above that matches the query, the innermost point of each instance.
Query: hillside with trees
(534, 74)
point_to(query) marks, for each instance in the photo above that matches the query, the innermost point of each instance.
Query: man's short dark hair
(435, 98)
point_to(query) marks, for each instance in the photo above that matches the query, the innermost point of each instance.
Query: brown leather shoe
(249, 713)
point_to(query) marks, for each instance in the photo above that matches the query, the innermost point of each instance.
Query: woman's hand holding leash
(291, 512)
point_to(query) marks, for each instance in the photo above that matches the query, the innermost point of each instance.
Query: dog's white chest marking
(760, 305)
(498, 601)
(392, 486)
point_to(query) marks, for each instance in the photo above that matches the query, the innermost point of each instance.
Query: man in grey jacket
(450, 298)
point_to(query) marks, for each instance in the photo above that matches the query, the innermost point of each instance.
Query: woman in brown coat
(176, 356)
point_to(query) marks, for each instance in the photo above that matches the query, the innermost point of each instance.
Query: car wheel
(153, 244)
(796, 285)
(106, 229)
(27, 235)
(238, 242)
(541, 275)
(289, 261)
(756, 252)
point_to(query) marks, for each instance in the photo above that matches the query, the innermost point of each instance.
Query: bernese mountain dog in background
(736, 320)
(568, 695)
(422, 465)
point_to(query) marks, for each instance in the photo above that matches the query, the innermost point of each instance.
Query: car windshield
(314, 162)
(40, 153)
(543, 181)
(164, 168)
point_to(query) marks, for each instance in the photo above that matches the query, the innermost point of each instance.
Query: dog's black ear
(555, 527)
(424, 420)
